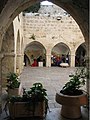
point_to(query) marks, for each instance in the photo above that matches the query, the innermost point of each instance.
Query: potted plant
(72, 97)
(13, 84)
(33, 103)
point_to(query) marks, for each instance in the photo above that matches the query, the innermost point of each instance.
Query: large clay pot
(71, 105)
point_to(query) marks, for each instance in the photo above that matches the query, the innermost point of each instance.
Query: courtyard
(49, 34)
(53, 79)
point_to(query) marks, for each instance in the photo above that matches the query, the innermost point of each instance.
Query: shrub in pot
(75, 83)
(71, 97)
(34, 102)
(13, 84)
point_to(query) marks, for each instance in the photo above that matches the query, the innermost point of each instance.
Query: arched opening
(80, 58)
(26, 60)
(60, 54)
(28, 5)
(70, 7)
(35, 51)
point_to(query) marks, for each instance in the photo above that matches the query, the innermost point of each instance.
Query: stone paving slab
(52, 78)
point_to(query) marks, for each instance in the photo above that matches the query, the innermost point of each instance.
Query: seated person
(34, 63)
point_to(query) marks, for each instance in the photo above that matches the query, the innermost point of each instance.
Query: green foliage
(12, 81)
(75, 83)
(32, 37)
(36, 94)
(34, 8)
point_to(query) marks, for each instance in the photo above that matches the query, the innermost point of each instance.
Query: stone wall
(52, 29)
(49, 30)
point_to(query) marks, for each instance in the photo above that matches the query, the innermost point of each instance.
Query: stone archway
(18, 6)
(80, 58)
(26, 60)
(9, 10)
(59, 54)
(35, 50)
(76, 9)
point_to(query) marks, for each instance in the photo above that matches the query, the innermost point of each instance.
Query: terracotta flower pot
(71, 104)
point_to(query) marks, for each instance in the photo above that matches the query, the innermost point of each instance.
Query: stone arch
(81, 43)
(80, 55)
(59, 53)
(71, 8)
(76, 9)
(34, 50)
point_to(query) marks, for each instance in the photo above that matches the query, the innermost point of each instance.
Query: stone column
(19, 63)
(22, 62)
(48, 60)
(1, 58)
(48, 57)
(72, 61)
(15, 59)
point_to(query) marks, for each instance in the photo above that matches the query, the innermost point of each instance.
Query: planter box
(24, 109)
(15, 91)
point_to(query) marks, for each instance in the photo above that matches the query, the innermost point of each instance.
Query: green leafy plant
(32, 37)
(37, 92)
(12, 81)
(33, 96)
(75, 83)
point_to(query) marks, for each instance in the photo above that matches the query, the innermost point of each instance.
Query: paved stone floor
(53, 80)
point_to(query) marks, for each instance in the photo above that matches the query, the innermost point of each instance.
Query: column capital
(48, 54)
(72, 54)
